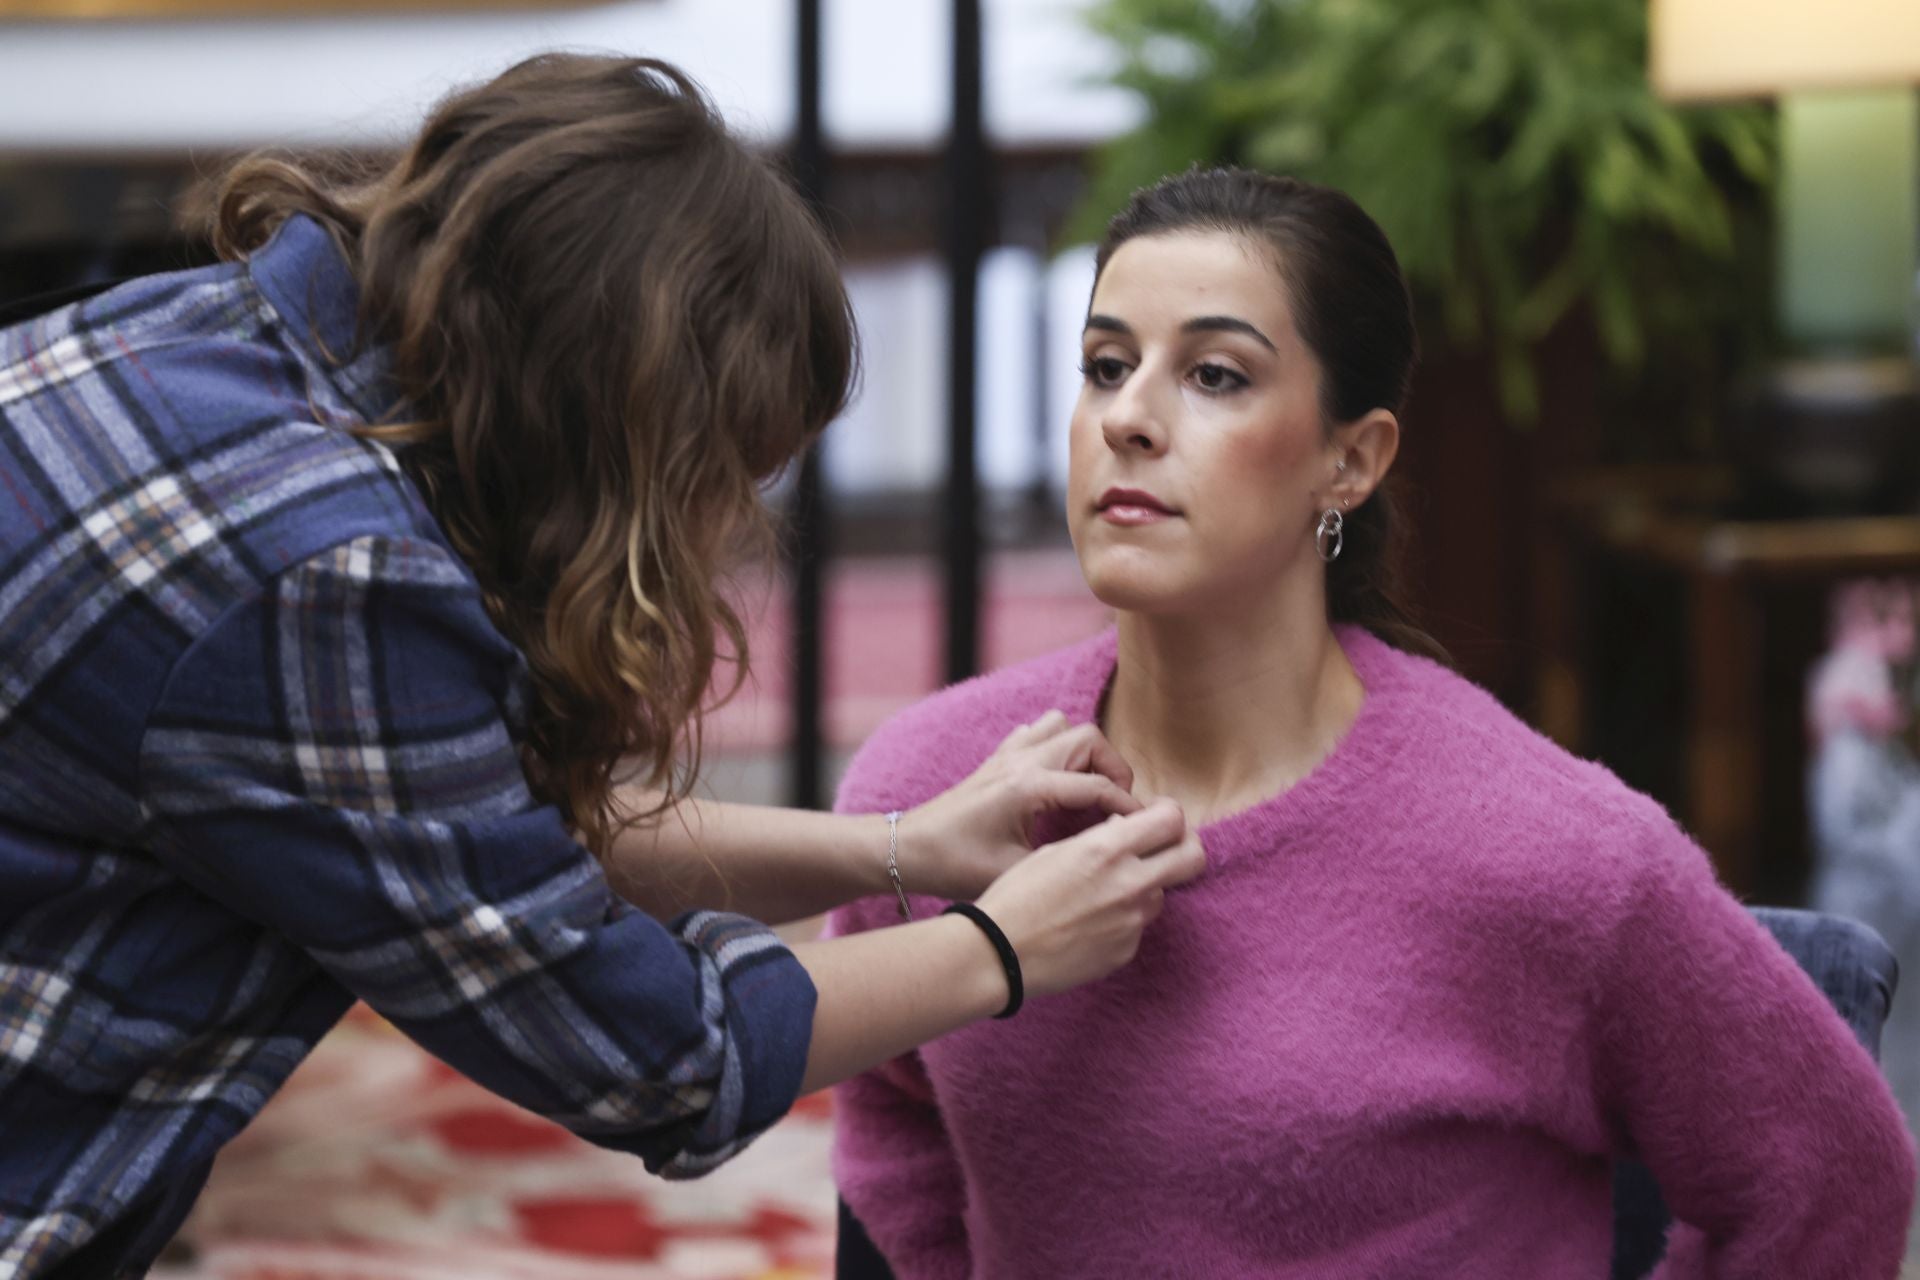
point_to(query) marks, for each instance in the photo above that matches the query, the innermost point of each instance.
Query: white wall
(367, 79)
(1069, 284)
(894, 434)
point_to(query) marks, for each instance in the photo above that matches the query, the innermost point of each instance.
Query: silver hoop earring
(1329, 536)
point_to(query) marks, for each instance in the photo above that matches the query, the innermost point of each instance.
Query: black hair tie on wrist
(1016, 990)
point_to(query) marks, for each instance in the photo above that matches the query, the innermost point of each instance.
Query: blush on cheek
(1082, 438)
(1273, 458)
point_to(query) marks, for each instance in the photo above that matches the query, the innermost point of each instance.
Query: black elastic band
(1016, 990)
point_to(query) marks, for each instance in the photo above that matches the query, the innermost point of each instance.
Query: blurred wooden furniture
(1753, 600)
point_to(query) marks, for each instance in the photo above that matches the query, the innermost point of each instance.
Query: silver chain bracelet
(893, 863)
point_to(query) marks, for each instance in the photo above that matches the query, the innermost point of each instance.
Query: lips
(1132, 508)
(1136, 499)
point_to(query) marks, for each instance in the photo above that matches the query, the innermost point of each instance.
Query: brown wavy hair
(609, 323)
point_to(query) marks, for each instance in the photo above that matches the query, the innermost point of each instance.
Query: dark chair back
(854, 1254)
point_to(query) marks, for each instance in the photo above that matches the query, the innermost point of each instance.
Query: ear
(1368, 445)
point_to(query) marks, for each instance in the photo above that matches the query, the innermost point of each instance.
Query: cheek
(1083, 434)
(1266, 477)
(1280, 452)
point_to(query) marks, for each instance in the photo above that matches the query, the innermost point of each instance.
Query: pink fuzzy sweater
(1400, 1029)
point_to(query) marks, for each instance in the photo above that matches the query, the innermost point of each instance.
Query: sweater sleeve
(1771, 1133)
(892, 1159)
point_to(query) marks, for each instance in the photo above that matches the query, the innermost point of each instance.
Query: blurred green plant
(1512, 150)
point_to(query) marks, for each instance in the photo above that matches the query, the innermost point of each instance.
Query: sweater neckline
(1367, 745)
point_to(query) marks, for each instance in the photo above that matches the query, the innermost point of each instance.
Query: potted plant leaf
(1512, 150)
(1591, 264)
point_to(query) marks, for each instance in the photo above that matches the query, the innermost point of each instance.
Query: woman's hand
(956, 844)
(784, 864)
(1074, 911)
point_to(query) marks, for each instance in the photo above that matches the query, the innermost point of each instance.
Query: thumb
(1177, 865)
(1154, 827)
(1062, 790)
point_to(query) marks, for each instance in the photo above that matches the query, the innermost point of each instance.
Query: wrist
(869, 842)
(919, 855)
(893, 866)
(1009, 960)
(978, 974)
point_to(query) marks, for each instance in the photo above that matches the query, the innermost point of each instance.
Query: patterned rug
(378, 1163)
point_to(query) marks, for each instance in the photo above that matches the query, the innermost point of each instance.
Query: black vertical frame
(809, 515)
(969, 207)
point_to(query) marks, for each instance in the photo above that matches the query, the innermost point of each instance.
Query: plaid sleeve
(333, 759)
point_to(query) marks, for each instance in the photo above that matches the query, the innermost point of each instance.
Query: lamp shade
(1744, 48)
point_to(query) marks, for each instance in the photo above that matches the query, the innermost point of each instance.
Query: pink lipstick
(1133, 507)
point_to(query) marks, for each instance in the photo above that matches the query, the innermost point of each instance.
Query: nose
(1132, 422)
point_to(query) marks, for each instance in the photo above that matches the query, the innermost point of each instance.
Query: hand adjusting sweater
(1401, 1028)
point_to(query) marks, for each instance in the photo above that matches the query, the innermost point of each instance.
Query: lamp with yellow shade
(1845, 73)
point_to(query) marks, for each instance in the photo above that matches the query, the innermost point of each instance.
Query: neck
(1220, 712)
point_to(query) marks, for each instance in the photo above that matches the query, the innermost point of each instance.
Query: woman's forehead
(1169, 278)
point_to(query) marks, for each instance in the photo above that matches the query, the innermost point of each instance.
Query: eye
(1217, 379)
(1103, 371)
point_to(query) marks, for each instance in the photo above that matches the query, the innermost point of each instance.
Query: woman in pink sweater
(1440, 974)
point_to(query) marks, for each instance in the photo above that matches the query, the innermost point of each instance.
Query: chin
(1131, 583)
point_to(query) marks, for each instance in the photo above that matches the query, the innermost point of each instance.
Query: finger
(1177, 865)
(1155, 902)
(1060, 790)
(1039, 730)
(1049, 725)
(1015, 738)
(1154, 827)
(1087, 750)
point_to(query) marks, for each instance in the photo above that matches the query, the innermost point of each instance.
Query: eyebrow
(1199, 324)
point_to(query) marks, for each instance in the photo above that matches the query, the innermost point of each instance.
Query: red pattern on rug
(376, 1162)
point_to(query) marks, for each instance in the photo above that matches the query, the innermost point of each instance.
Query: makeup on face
(1134, 507)
(1194, 445)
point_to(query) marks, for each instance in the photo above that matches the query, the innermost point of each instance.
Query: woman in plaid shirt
(335, 583)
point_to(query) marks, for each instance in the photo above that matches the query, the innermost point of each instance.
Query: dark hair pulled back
(1350, 304)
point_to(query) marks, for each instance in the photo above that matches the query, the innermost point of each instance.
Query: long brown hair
(1351, 306)
(609, 323)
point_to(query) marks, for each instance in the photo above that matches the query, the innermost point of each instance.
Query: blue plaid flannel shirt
(257, 759)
